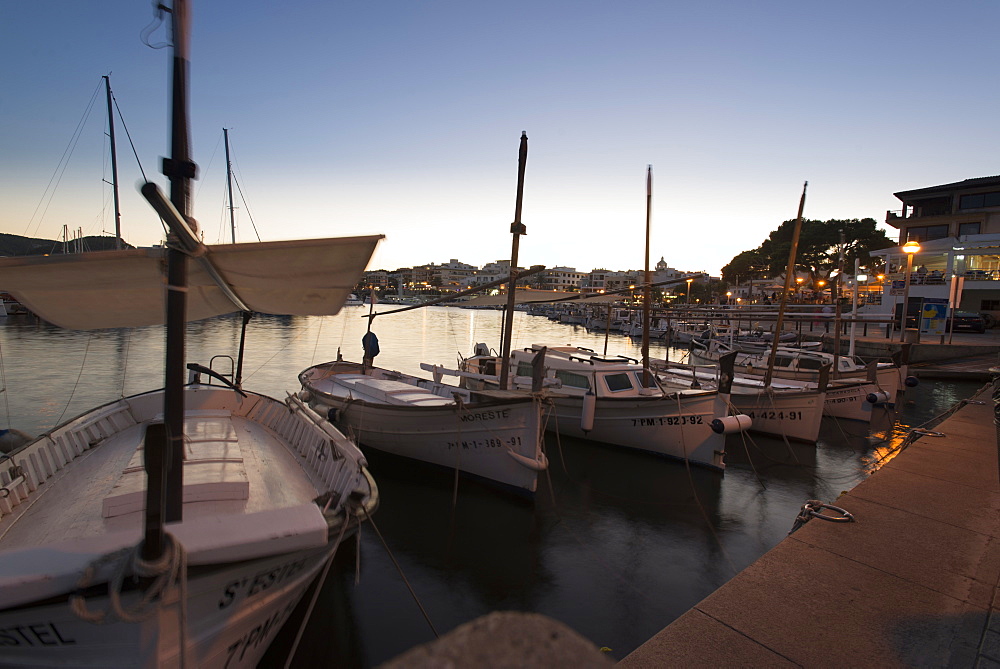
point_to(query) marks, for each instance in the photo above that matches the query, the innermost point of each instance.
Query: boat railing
(41, 459)
(438, 371)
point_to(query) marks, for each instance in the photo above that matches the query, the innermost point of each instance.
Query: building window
(979, 201)
(926, 233)
(989, 305)
(968, 228)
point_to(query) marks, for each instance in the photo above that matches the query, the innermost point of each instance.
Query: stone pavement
(913, 582)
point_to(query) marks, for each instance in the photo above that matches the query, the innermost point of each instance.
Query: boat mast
(789, 273)
(517, 229)
(180, 170)
(646, 281)
(229, 184)
(114, 163)
(835, 294)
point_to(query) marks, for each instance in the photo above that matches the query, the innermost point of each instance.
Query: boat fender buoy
(878, 397)
(731, 424)
(305, 396)
(588, 411)
(333, 415)
(911, 382)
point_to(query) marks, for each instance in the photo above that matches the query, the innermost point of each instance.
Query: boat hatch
(390, 392)
(213, 466)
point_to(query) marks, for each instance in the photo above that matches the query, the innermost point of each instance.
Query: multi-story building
(593, 281)
(958, 228)
(558, 278)
(451, 276)
(378, 279)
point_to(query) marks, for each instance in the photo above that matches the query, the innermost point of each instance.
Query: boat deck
(233, 465)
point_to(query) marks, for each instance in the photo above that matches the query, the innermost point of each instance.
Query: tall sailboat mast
(517, 229)
(647, 279)
(229, 184)
(114, 163)
(789, 274)
(180, 170)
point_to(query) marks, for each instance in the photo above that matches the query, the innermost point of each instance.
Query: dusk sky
(403, 118)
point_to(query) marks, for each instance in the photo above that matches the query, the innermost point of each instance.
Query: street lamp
(798, 288)
(688, 296)
(909, 248)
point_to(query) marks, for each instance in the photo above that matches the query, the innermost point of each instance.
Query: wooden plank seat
(213, 467)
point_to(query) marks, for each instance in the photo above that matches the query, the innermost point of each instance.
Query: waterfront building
(958, 228)
(558, 278)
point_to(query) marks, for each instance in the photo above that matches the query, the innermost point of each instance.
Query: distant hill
(15, 245)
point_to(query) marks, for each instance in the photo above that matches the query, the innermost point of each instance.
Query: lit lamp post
(729, 294)
(909, 248)
(688, 296)
(798, 280)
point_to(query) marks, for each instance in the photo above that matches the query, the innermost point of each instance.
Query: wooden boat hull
(678, 427)
(792, 415)
(491, 435)
(233, 612)
(253, 532)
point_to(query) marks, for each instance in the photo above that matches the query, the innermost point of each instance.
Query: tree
(818, 252)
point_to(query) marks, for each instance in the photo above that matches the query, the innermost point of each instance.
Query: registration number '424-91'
(668, 420)
(775, 415)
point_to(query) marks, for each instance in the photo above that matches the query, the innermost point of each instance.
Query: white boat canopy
(110, 289)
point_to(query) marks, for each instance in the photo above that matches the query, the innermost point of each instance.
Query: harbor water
(616, 544)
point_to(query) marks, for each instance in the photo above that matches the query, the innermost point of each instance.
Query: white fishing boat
(804, 364)
(658, 327)
(788, 410)
(494, 435)
(682, 332)
(605, 399)
(182, 526)
(353, 301)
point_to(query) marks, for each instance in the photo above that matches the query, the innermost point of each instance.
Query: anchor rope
(168, 569)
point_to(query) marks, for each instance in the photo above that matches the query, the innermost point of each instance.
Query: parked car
(964, 321)
(967, 321)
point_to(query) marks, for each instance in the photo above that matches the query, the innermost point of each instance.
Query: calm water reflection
(616, 544)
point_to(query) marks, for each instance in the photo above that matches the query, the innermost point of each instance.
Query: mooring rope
(316, 591)
(402, 575)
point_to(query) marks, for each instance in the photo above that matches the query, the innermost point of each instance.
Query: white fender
(588, 411)
(731, 424)
(878, 397)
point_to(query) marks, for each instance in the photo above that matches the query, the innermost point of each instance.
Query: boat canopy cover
(111, 289)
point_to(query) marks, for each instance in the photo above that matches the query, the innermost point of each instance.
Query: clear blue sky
(403, 118)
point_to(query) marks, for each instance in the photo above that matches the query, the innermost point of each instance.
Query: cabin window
(782, 361)
(573, 380)
(618, 382)
(810, 363)
(524, 369)
(652, 380)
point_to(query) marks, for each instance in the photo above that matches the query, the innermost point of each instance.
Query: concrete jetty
(912, 582)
